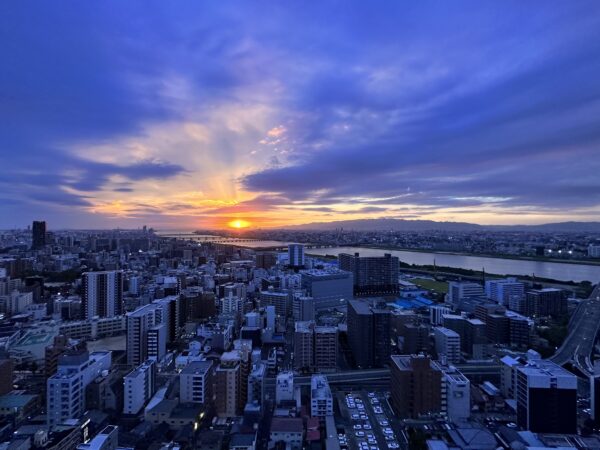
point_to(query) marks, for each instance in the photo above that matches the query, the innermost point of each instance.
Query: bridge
(583, 327)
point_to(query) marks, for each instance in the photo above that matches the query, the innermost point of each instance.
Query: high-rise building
(296, 255)
(315, 347)
(139, 386)
(228, 388)
(265, 260)
(303, 308)
(546, 302)
(195, 382)
(38, 235)
(280, 300)
(369, 332)
(416, 385)
(321, 400)
(329, 288)
(372, 275)
(472, 333)
(65, 390)
(447, 344)
(546, 398)
(139, 324)
(102, 294)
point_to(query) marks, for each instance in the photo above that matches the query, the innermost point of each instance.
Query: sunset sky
(192, 114)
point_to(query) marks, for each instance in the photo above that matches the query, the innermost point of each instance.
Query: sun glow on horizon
(239, 223)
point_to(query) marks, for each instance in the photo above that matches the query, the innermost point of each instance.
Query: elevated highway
(584, 325)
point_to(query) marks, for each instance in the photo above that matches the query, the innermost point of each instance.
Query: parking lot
(371, 424)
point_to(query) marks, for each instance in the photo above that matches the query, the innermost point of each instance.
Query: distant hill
(431, 225)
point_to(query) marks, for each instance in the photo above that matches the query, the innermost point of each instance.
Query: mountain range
(431, 225)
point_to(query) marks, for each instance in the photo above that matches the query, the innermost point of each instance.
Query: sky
(191, 114)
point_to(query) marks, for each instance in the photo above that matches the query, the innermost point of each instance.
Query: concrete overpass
(584, 325)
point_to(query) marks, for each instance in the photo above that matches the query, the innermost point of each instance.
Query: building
(256, 387)
(296, 255)
(369, 332)
(315, 347)
(38, 235)
(505, 290)
(459, 290)
(456, 394)
(102, 294)
(6, 376)
(321, 400)
(303, 308)
(107, 439)
(281, 301)
(447, 344)
(139, 387)
(436, 314)
(326, 348)
(228, 384)
(372, 275)
(286, 430)
(195, 382)
(284, 387)
(144, 336)
(415, 338)
(329, 288)
(595, 394)
(546, 302)
(593, 251)
(546, 398)
(416, 386)
(65, 390)
(266, 260)
(472, 332)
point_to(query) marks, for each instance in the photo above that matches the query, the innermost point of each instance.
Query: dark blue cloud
(429, 103)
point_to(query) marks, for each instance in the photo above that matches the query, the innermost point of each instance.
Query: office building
(102, 294)
(329, 288)
(321, 400)
(256, 386)
(304, 346)
(416, 386)
(447, 344)
(296, 255)
(372, 275)
(414, 338)
(170, 315)
(472, 332)
(504, 290)
(38, 235)
(546, 398)
(139, 387)
(195, 382)
(369, 332)
(65, 390)
(266, 260)
(315, 347)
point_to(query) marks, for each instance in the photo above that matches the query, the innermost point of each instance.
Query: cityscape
(300, 225)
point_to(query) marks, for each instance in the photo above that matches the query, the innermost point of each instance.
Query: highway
(583, 331)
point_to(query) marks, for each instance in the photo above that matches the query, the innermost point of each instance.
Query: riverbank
(587, 262)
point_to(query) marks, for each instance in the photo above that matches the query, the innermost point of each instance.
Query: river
(544, 269)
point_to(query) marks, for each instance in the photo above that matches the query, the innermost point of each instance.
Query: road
(583, 331)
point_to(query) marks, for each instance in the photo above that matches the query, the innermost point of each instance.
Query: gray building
(329, 288)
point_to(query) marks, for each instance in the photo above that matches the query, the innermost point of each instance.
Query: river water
(554, 270)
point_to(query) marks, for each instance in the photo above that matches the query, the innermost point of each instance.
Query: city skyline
(206, 115)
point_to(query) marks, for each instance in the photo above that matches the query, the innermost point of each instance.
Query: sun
(238, 223)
